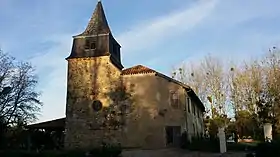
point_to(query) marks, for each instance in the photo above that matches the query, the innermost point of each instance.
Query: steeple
(97, 40)
(98, 23)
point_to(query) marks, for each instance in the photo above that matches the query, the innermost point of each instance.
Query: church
(136, 107)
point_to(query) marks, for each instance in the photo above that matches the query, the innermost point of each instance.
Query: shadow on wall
(82, 89)
(127, 111)
(151, 112)
(117, 107)
(171, 100)
(121, 104)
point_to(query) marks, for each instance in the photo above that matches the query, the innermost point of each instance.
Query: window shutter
(174, 99)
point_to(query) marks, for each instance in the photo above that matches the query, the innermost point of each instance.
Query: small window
(188, 105)
(174, 99)
(87, 44)
(194, 108)
(90, 45)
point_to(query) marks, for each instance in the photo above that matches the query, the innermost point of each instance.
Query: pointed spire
(98, 23)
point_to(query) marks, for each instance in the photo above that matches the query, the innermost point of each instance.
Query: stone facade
(146, 106)
(152, 97)
(94, 69)
(89, 79)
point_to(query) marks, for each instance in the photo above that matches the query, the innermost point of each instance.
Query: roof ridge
(138, 69)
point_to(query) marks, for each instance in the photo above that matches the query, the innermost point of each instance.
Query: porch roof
(52, 124)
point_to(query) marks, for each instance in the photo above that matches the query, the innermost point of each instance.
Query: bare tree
(208, 80)
(19, 99)
(191, 74)
(250, 89)
(269, 108)
(215, 85)
(246, 84)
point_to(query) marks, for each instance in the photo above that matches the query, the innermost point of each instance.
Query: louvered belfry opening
(97, 40)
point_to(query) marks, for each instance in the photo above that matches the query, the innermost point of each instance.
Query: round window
(97, 105)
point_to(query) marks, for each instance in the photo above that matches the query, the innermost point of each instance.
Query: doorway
(173, 136)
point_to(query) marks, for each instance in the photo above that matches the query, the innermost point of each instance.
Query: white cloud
(159, 29)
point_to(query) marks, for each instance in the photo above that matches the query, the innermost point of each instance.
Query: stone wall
(145, 126)
(149, 109)
(89, 79)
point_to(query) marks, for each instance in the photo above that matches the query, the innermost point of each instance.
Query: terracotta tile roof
(138, 69)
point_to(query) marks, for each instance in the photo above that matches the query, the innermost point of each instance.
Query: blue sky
(160, 34)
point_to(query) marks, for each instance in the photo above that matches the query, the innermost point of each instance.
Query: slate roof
(98, 23)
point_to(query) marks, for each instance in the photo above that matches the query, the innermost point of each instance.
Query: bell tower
(93, 64)
(97, 40)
